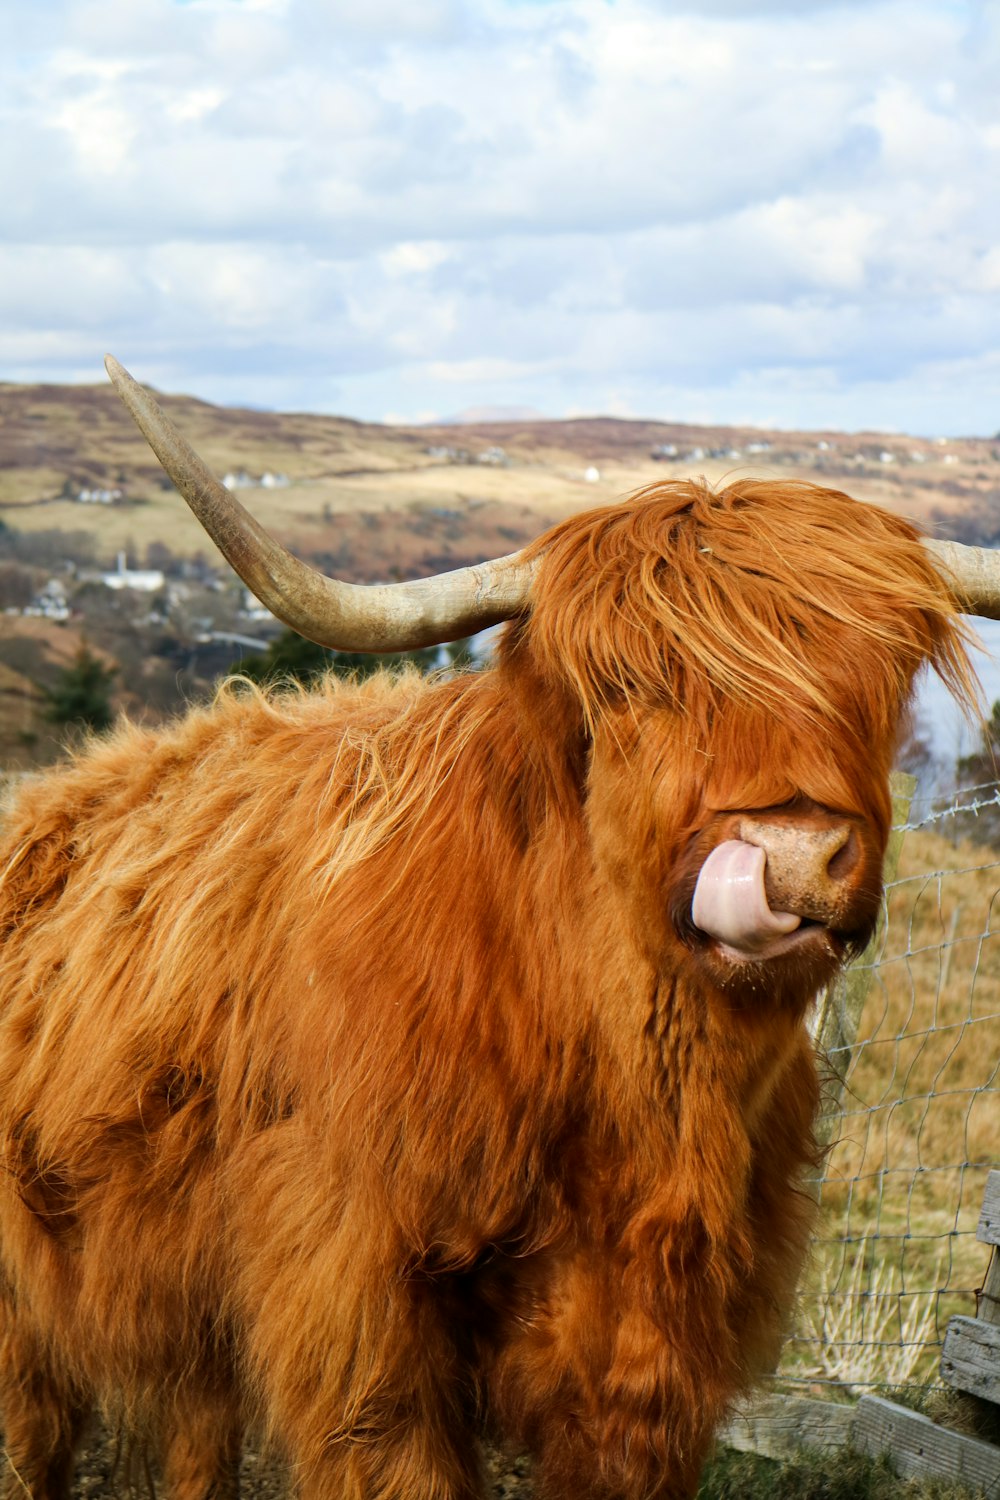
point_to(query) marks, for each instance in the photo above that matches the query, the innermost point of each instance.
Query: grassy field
(896, 1253)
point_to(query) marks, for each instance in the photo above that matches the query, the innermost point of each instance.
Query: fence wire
(913, 1116)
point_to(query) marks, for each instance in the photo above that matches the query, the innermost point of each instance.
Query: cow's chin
(790, 969)
(806, 938)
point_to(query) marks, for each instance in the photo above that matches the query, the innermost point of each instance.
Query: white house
(144, 580)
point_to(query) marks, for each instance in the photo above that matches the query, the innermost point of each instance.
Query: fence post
(838, 1014)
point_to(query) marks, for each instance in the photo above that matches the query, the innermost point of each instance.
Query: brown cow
(394, 1063)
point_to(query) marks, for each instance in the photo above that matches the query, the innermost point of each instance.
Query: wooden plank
(919, 1447)
(970, 1359)
(989, 1220)
(779, 1426)
(988, 1300)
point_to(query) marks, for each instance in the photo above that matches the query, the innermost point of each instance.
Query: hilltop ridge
(96, 548)
(60, 442)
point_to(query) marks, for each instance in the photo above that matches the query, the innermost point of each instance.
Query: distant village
(168, 624)
(54, 599)
(58, 597)
(865, 454)
(848, 451)
(238, 480)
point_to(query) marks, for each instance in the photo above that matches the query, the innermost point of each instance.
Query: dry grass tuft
(896, 1249)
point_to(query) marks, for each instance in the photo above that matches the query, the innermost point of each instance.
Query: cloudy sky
(784, 212)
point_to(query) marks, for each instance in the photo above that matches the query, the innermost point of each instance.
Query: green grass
(816, 1476)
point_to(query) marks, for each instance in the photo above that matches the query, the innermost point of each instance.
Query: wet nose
(809, 869)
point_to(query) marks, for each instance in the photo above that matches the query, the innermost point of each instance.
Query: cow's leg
(42, 1417)
(201, 1449)
(591, 1387)
(414, 1460)
(569, 1468)
(382, 1407)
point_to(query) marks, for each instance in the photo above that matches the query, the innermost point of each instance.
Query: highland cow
(398, 1063)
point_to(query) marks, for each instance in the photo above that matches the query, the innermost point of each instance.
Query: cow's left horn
(973, 572)
(346, 616)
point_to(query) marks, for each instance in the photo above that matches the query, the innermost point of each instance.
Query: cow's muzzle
(808, 871)
(777, 882)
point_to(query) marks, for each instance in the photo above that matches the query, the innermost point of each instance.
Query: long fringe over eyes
(694, 599)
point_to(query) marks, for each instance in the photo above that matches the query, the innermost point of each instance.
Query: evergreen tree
(81, 695)
(980, 769)
(291, 656)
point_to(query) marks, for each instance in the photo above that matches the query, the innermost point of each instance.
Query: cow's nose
(811, 869)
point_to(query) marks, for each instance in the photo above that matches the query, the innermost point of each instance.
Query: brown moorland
(58, 440)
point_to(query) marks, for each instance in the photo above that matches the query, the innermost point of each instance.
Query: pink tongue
(730, 905)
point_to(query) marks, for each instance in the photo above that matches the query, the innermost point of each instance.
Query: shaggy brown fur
(361, 1073)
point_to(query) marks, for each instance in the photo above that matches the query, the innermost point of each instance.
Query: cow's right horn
(346, 616)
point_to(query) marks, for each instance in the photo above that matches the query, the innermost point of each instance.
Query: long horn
(974, 574)
(346, 616)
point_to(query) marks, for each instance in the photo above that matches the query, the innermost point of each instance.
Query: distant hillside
(60, 442)
(79, 489)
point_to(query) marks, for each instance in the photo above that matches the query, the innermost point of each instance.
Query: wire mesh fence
(912, 1113)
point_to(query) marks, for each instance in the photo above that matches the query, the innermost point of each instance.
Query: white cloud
(578, 204)
(413, 258)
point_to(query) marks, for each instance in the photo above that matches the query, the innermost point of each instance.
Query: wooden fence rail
(782, 1426)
